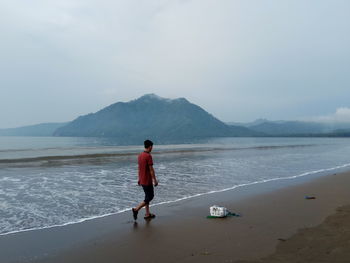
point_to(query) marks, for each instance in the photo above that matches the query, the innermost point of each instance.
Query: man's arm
(138, 181)
(154, 179)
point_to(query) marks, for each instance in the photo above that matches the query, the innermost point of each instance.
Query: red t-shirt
(145, 160)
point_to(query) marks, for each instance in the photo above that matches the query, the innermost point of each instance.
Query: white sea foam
(325, 170)
(55, 193)
(257, 182)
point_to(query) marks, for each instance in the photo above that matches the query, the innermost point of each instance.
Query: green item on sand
(229, 214)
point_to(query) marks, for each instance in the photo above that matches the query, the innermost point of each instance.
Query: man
(146, 179)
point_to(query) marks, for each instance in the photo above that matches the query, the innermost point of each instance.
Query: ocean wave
(126, 153)
(81, 220)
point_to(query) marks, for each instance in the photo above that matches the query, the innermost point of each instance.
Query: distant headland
(162, 119)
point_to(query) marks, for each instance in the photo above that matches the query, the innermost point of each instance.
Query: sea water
(53, 181)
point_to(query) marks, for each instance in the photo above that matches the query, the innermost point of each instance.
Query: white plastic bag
(218, 211)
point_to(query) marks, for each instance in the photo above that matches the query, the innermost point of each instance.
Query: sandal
(134, 213)
(150, 216)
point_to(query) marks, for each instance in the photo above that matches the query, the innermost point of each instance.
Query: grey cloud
(240, 60)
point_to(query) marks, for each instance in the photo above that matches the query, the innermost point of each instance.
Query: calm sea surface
(50, 181)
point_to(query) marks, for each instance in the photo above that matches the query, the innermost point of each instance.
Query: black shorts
(149, 193)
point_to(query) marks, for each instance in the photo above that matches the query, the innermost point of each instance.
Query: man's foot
(134, 213)
(150, 216)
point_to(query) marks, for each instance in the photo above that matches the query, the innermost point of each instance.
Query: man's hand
(155, 182)
(154, 179)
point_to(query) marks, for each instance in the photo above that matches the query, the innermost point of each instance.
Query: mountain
(248, 124)
(154, 117)
(289, 128)
(296, 128)
(167, 120)
(340, 133)
(43, 129)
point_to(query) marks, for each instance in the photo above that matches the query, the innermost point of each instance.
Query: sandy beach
(327, 242)
(276, 224)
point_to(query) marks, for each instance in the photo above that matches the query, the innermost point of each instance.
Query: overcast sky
(238, 59)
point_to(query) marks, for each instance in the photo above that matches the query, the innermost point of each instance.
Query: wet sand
(327, 242)
(273, 215)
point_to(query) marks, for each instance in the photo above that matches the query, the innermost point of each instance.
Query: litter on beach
(220, 212)
(310, 197)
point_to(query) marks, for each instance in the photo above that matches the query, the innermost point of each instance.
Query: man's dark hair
(148, 143)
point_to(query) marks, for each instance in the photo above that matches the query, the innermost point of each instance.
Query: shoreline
(318, 173)
(105, 239)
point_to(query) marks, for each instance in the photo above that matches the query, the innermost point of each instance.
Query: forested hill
(151, 116)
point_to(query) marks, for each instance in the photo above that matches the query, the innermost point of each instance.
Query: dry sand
(273, 214)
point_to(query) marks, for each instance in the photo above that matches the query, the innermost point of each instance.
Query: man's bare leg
(142, 204)
(135, 210)
(147, 210)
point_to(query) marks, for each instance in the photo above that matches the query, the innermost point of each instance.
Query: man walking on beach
(146, 179)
